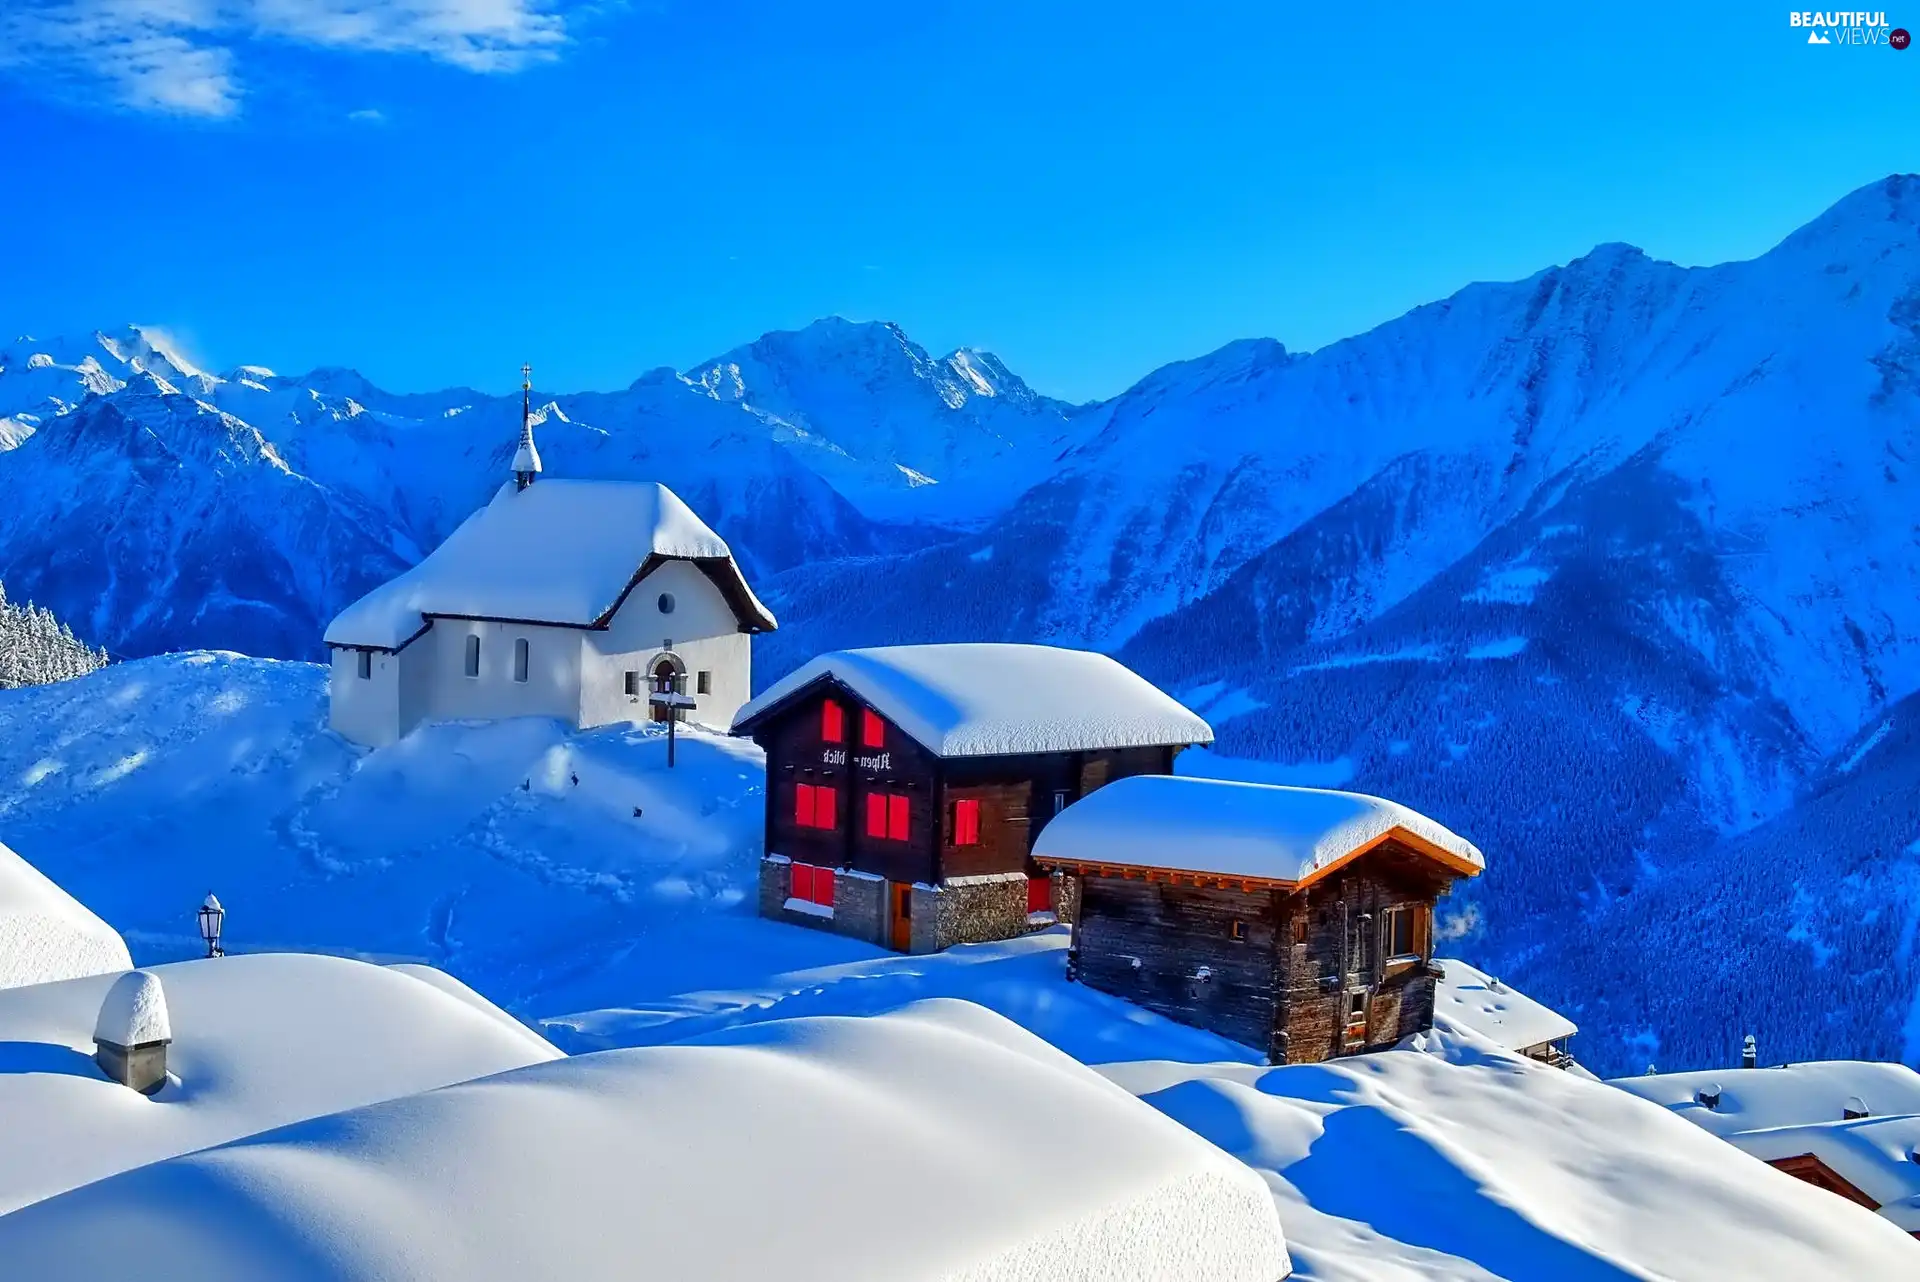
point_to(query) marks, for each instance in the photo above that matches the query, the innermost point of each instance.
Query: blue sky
(433, 190)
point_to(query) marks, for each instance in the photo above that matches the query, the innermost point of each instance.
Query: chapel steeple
(526, 459)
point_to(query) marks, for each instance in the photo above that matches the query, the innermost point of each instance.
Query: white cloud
(368, 116)
(179, 56)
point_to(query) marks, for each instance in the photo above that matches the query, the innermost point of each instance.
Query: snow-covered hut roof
(259, 1041)
(899, 1147)
(1503, 1015)
(991, 699)
(562, 552)
(1799, 1110)
(1241, 831)
(46, 934)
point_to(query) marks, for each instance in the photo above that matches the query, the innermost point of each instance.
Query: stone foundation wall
(968, 910)
(860, 906)
(859, 901)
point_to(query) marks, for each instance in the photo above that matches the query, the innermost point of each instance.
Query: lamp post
(212, 917)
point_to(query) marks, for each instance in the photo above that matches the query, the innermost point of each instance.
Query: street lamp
(212, 915)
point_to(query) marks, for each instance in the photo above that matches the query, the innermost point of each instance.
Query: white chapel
(568, 599)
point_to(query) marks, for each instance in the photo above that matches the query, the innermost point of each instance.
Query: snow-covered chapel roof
(561, 552)
(991, 699)
(1250, 831)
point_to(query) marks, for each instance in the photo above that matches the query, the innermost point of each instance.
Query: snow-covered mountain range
(1612, 569)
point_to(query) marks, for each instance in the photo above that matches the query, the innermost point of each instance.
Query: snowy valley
(1611, 569)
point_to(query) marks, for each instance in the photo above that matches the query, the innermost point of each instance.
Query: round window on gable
(666, 603)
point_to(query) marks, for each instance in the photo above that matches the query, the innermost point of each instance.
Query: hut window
(363, 660)
(811, 884)
(816, 805)
(473, 656)
(703, 684)
(1039, 895)
(887, 816)
(833, 722)
(966, 822)
(1237, 930)
(520, 660)
(873, 731)
(1396, 932)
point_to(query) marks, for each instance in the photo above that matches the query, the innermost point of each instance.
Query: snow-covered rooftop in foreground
(1796, 1110)
(1472, 999)
(258, 1041)
(993, 699)
(559, 551)
(1218, 827)
(937, 1142)
(46, 934)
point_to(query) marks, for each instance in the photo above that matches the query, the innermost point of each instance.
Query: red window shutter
(803, 804)
(833, 723)
(802, 885)
(876, 814)
(897, 818)
(823, 887)
(1039, 894)
(826, 807)
(966, 822)
(873, 731)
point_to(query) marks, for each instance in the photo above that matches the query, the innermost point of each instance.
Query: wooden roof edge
(1412, 840)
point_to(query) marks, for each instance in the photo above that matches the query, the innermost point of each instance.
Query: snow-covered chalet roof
(259, 1041)
(898, 1147)
(1797, 1110)
(1252, 831)
(561, 552)
(46, 934)
(991, 699)
(1503, 1015)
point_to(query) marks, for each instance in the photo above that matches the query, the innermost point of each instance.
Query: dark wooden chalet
(906, 784)
(1296, 921)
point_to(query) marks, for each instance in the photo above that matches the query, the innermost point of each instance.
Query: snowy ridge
(1471, 999)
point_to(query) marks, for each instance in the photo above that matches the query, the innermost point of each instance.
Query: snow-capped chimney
(1708, 1096)
(1749, 1053)
(131, 1035)
(526, 459)
(1853, 1109)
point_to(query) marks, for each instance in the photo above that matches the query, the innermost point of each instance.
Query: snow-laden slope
(468, 847)
(45, 933)
(802, 1149)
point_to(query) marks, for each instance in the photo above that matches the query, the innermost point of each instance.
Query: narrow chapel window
(365, 658)
(520, 659)
(473, 656)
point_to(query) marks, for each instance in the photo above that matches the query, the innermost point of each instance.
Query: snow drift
(258, 1042)
(941, 1142)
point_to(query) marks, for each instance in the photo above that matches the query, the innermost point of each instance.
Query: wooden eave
(1809, 1169)
(1232, 881)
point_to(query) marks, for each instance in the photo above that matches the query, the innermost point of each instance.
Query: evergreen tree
(36, 648)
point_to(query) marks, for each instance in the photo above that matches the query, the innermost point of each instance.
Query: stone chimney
(1853, 1109)
(131, 1036)
(1749, 1053)
(1708, 1096)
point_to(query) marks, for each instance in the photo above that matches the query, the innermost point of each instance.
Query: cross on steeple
(526, 459)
